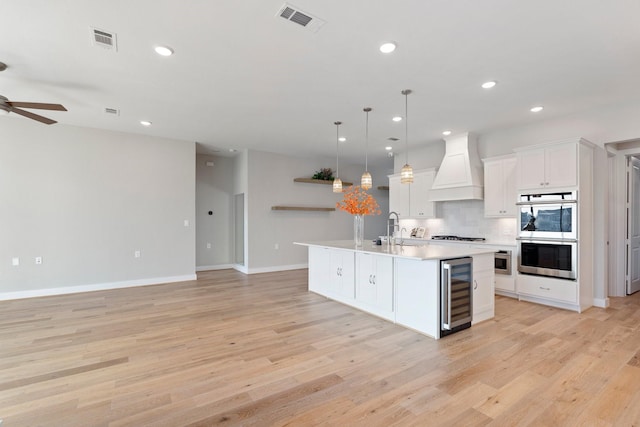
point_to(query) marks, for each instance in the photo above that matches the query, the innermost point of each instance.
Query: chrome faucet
(392, 224)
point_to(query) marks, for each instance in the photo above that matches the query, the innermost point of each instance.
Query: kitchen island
(397, 282)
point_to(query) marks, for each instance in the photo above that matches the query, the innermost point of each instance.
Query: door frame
(618, 187)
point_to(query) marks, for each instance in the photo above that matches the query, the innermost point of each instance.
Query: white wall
(270, 183)
(214, 193)
(85, 200)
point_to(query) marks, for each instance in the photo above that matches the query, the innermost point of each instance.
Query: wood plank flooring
(236, 350)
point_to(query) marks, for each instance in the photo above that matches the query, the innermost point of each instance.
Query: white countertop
(426, 252)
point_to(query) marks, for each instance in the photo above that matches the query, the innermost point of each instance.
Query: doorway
(633, 225)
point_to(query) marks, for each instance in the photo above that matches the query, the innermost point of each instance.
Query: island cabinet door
(483, 287)
(320, 274)
(342, 277)
(374, 283)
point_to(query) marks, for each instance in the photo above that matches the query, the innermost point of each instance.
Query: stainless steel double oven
(548, 238)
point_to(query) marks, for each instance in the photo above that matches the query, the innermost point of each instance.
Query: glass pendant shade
(366, 182)
(337, 185)
(406, 174)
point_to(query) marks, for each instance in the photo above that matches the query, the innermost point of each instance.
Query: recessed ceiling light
(342, 139)
(537, 109)
(446, 133)
(388, 148)
(164, 50)
(489, 84)
(387, 47)
(397, 119)
(145, 122)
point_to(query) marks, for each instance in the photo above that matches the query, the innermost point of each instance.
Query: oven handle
(548, 202)
(547, 239)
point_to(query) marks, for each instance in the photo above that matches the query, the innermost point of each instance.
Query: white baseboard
(276, 268)
(241, 268)
(214, 267)
(601, 302)
(4, 296)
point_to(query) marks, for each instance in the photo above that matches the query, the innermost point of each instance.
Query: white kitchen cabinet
(398, 196)
(483, 288)
(332, 273)
(549, 167)
(500, 187)
(374, 284)
(412, 200)
(419, 204)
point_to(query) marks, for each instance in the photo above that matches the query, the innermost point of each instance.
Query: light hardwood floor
(230, 349)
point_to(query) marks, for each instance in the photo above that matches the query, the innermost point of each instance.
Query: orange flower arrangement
(357, 201)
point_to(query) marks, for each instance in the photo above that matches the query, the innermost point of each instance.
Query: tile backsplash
(465, 218)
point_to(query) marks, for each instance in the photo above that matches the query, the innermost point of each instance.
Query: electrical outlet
(276, 246)
(136, 254)
(15, 261)
(186, 222)
(38, 260)
(208, 245)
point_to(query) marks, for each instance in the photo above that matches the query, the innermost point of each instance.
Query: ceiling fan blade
(38, 105)
(33, 116)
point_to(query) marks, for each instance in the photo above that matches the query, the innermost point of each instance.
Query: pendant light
(366, 182)
(337, 182)
(406, 174)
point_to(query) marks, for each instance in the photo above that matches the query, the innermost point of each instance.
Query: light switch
(15, 261)
(186, 222)
(136, 254)
(38, 260)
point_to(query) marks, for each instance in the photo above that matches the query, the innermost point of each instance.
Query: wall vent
(112, 111)
(104, 39)
(294, 14)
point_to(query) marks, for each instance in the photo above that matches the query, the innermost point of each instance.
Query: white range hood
(460, 175)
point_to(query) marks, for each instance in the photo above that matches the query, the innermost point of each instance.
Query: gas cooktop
(464, 239)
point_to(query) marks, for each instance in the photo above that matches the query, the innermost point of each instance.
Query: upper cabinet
(412, 200)
(500, 186)
(550, 167)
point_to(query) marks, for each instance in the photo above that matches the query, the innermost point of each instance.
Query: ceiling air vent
(104, 39)
(112, 111)
(294, 14)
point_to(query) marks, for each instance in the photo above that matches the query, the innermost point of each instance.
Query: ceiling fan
(7, 107)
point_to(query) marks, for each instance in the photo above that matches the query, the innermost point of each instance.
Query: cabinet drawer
(557, 289)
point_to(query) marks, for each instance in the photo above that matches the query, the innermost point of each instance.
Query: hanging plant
(325, 174)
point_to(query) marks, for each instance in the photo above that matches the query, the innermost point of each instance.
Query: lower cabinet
(483, 288)
(560, 290)
(332, 273)
(374, 284)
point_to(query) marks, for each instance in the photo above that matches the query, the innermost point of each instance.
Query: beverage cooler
(456, 295)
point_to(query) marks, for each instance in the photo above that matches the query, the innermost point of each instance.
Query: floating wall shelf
(301, 208)
(320, 181)
(383, 187)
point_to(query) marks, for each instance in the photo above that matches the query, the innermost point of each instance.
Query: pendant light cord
(337, 148)
(366, 144)
(406, 125)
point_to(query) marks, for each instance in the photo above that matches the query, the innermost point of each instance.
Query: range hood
(460, 175)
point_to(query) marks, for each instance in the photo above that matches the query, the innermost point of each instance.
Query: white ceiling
(241, 77)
